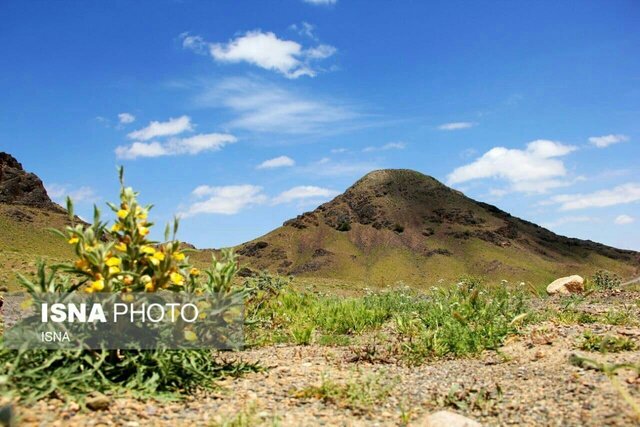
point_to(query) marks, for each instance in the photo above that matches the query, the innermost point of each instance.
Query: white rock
(445, 419)
(566, 285)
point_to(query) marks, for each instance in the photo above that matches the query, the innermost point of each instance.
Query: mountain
(397, 224)
(26, 211)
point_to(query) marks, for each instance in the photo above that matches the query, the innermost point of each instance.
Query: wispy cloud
(622, 194)
(176, 146)
(624, 220)
(320, 2)
(173, 126)
(264, 107)
(385, 147)
(329, 167)
(535, 169)
(568, 220)
(264, 50)
(303, 192)
(126, 118)
(304, 29)
(60, 192)
(456, 125)
(277, 162)
(607, 140)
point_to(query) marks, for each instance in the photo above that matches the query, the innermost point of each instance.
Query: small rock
(445, 419)
(4, 289)
(566, 285)
(98, 401)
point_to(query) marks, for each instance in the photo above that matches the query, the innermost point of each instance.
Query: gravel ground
(529, 382)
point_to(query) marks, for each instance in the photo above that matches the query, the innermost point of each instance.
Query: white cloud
(176, 146)
(624, 219)
(277, 162)
(125, 118)
(231, 199)
(567, 220)
(388, 146)
(60, 192)
(265, 50)
(338, 150)
(155, 129)
(263, 107)
(225, 200)
(606, 140)
(456, 125)
(321, 2)
(303, 192)
(533, 170)
(622, 194)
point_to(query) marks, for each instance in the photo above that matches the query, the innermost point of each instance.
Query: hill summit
(399, 224)
(18, 187)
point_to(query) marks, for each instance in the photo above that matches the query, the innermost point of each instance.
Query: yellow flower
(113, 261)
(190, 336)
(81, 264)
(114, 270)
(122, 213)
(178, 256)
(141, 213)
(159, 256)
(143, 231)
(97, 285)
(194, 272)
(149, 287)
(116, 227)
(176, 279)
(120, 247)
(73, 240)
(148, 250)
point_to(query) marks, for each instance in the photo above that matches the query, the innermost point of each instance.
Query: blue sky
(240, 115)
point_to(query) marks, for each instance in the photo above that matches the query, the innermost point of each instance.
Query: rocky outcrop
(19, 187)
(566, 286)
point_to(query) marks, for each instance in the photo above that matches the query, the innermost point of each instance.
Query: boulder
(445, 419)
(566, 285)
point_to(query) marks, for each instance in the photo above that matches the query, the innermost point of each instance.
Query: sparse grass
(606, 343)
(362, 391)
(247, 417)
(482, 399)
(458, 321)
(611, 371)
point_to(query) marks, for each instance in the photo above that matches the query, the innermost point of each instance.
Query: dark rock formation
(19, 187)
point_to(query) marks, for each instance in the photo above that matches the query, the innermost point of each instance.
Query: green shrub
(606, 343)
(603, 279)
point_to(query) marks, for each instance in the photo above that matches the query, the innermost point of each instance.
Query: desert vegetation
(372, 348)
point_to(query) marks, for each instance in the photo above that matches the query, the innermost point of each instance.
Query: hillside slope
(26, 213)
(396, 225)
